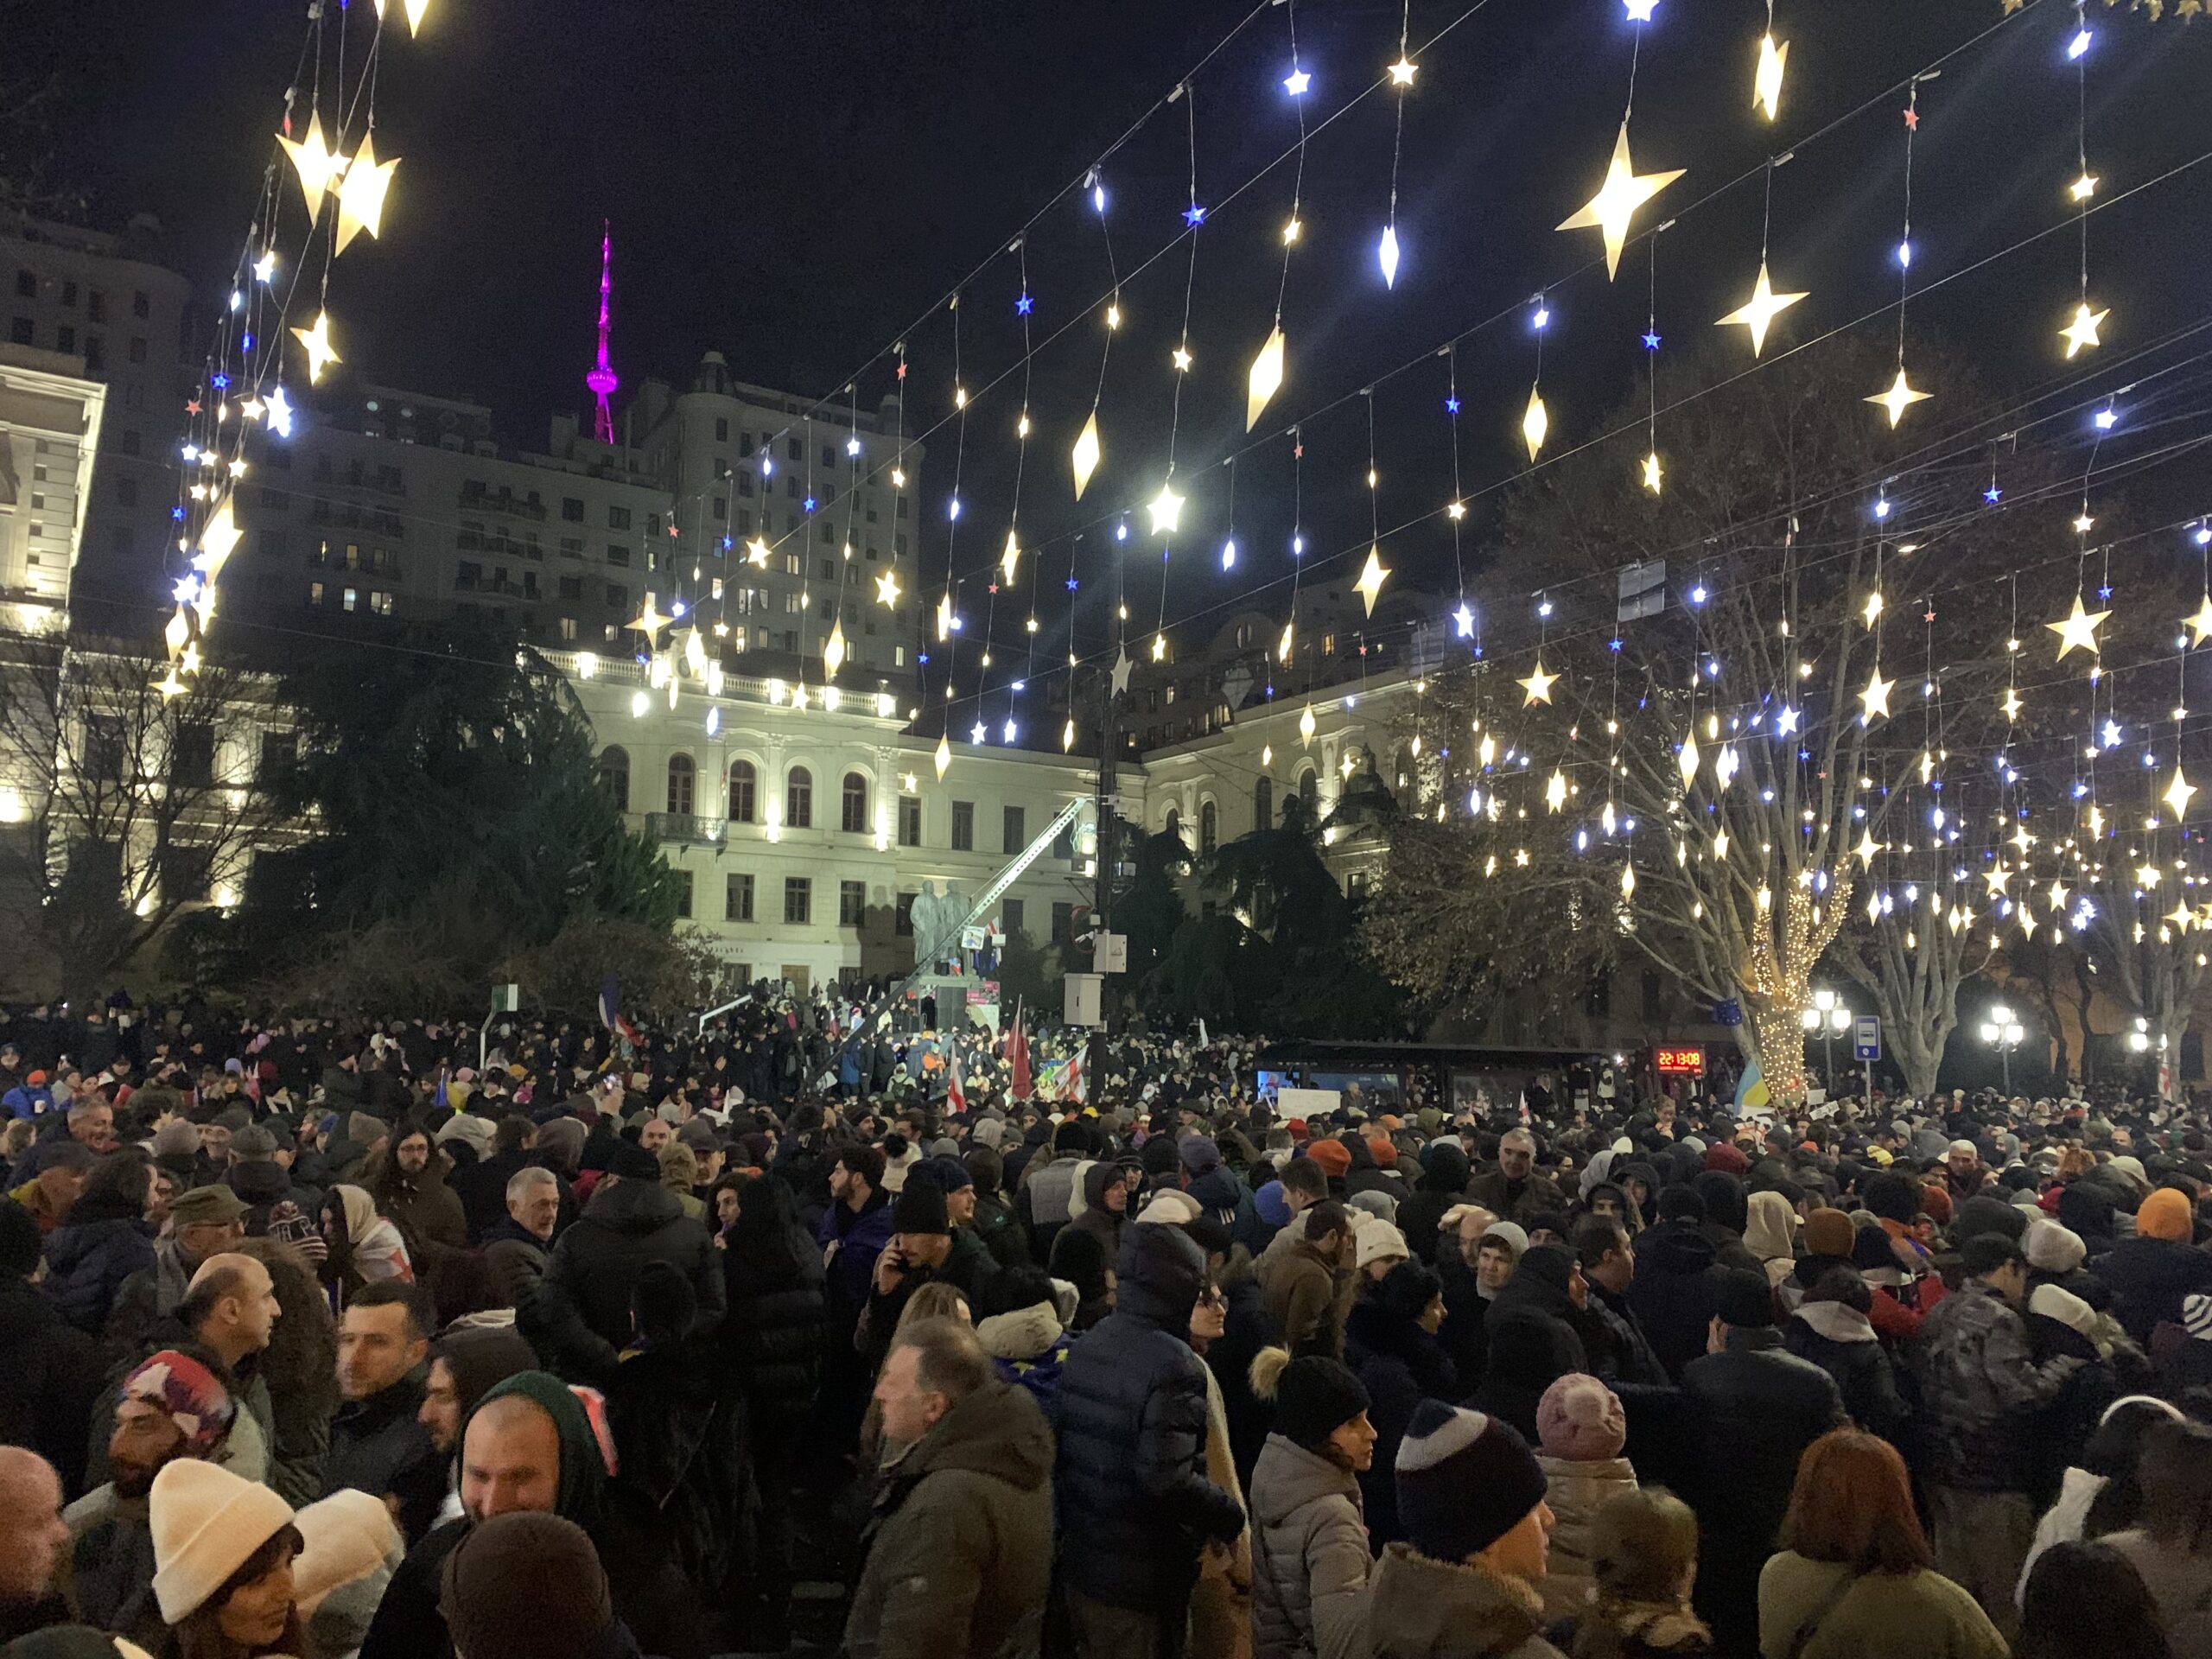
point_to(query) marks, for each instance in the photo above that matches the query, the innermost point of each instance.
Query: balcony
(486, 501)
(686, 828)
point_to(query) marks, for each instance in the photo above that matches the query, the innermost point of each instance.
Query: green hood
(583, 1468)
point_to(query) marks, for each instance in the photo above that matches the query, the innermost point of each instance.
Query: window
(614, 775)
(26, 284)
(1015, 829)
(1175, 824)
(19, 330)
(737, 900)
(140, 305)
(618, 596)
(854, 816)
(1263, 803)
(617, 554)
(852, 903)
(1010, 916)
(1355, 889)
(721, 428)
(798, 900)
(1063, 923)
(963, 826)
(683, 893)
(570, 587)
(65, 338)
(350, 600)
(314, 594)
(794, 449)
(1309, 789)
(1063, 843)
(742, 781)
(192, 756)
(185, 872)
(902, 919)
(280, 754)
(799, 800)
(572, 509)
(137, 348)
(618, 518)
(910, 821)
(96, 305)
(683, 775)
(1208, 826)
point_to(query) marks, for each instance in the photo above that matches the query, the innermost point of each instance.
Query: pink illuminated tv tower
(601, 379)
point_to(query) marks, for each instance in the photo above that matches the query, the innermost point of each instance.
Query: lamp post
(2005, 1034)
(2140, 1041)
(1828, 1016)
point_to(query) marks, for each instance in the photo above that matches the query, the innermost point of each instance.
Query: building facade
(51, 418)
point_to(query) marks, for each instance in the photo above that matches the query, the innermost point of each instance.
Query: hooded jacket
(104, 1240)
(1303, 1290)
(1128, 1479)
(580, 1317)
(775, 1327)
(959, 1544)
(1980, 1381)
(1443, 1183)
(2148, 1277)
(1096, 1219)
(1421, 1609)
(1534, 1338)
(1309, 1556)
(1671, 1294)
(647, 1588)
(1842, 1341)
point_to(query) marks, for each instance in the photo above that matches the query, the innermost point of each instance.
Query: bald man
(32, 1538)
(230, 1308)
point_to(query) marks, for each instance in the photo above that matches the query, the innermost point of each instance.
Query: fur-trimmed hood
(1424, 1608)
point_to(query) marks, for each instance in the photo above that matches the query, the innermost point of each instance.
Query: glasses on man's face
(1213, 1298)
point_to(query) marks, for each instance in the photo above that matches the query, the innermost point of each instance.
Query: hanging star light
(416, 11)
(943, 615)
(1639, 11)
(1899, 398)
(1866, 849)
(219, 539)
(649, 622)
(1612, 209)
(1555, 791)
(1686, 758)
(1121, 671)
(2083, 187)
(277, 408)
(1372, 576)
(1386, 256)
(318, 167)
(1305, 728)
(1996, 878)
(1534, 421)
(1402, 71)
(756, 553)
(1010, 557)
(1159, 647)
(1265, 378)
(944, 756)
(2081, 334)
(2011, 705)
(1283, 645)
(1538, 685)
(1180, 357)
(887, 589)
(316, 343)
(168, 685)
(1067, 736)
(2178, 794)
(1653, 475)
(1085, 454)
(2078, 629)
(833, 650)
(1167, 510)
(360, 196)
(1760, 310)
(1874, 700)
(1766, 83)
(1464, 620)
(2201, 624)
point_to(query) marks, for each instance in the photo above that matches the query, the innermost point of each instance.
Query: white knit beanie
(2052, 1247)
(343, 1537)
(205, 1522)
(1375, 1240)
(1172, 1207)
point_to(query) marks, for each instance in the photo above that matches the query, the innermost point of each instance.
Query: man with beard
(377, 1444)
(528, 1447)
(409, 1187)
(172, 1406)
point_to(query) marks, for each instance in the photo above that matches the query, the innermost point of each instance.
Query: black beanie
(1983, 1214)
(629, 1161)
(1465, 1480)
(920, 1209)
(1743, 1300)
(1315, 1397)
(525, 1585)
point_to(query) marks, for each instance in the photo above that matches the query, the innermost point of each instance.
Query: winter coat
(423, 1206)
(1096, 1219)
(1302, 1290)
(1466, 1312)
(774, 1331)
(680, 1441)
(1573, 1489)
(1001, 1231)
(1840, 1340)
(967, 1264)
(377, 1446)
(850, 1242)
(1309, 1556)
(1515, 1201)
(482, 1189)
(91, 1255)
(1421, 1609)
(149, 1294)
(1029, 1349)
(2058, 1432)
(2180, 1581)
(2148, 1277)
(2062, 1522)
(1979, 1383)
(514, 1257)
(50, 1380)
(1749, 1413)
(1642, 1630)
(1401, 1365)
(1672, 1292)
(1230, 1201)
(1443, 1183)
(959, 1545)
(1129, 1480)
(1620, 1353)
(1532, 1338)
(1920, 1613)
(1246, 1329)
(580, 1319)
(112, 1567)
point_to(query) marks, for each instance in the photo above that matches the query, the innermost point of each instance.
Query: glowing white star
(1166, 511)
(1899, 398)
(2081, 334)
(1766, 83)
(360, 197)
(316, 343)
(2077, 630)
(1538, 685)
(1614, 207)
(1084, 455)
(1402, 71)
(1760, 310)
(1874, 700)
(318, 167)
(1372, 576)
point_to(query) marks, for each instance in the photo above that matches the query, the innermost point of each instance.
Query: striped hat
(1465, 1480)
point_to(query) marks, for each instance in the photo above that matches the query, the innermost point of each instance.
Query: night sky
(795, 184)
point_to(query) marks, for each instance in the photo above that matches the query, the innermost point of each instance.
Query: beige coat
(1575, 1491)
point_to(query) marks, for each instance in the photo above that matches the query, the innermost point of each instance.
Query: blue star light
(1194, 216)
(1993, 495)
(2105, 592)
(1651, 342)
(1071, 584)
(219, 381)
(808, 503)
(923, 657)
(177, 513)
(1022, 306)
(1450, 405)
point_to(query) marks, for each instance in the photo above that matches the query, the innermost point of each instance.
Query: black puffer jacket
(1130, 1479)
(48, 1381)
(1672, 1293)
(580, 1317)
(2148, 1277)
(1840, 1341)
(105, 1241)
(1531, 1336)
(774, 1332)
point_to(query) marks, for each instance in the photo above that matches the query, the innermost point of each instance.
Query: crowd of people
(804, 1332)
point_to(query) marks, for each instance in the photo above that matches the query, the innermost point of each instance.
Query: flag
(610, 1012)
(1204, 1041)
(1062, 1079)
(1751, 1090)
(953, 1095)
(1018, 1057)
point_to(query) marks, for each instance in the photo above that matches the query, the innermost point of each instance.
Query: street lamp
(2005, 1034)
(1828, 1016)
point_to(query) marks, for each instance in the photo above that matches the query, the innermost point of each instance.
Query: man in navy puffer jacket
(1136, 1508)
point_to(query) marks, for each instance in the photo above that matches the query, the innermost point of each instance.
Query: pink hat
(1580, 1420)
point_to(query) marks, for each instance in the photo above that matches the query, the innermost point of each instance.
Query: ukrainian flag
(1751, 1090)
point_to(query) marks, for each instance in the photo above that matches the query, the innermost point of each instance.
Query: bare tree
(125, 803)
